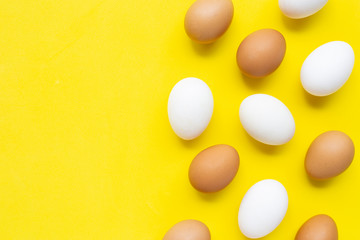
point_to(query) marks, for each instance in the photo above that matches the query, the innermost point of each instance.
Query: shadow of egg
(319, 183)
(203, 49)
(299, 24)
(194, 143)
(253, 83)
(212, 197)
(295, 24)
(264, 148)
(315, 101)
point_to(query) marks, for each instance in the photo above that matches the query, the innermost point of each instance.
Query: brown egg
(188, 230)
(329, 154)
(261, 53)
(207, 20)
(214, 168)
(319, 227)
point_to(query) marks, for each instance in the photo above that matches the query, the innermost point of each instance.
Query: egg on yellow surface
(214, 168)
(188, 230)
(261, 53)
(319, 227)
(330, 154)
(207, 20)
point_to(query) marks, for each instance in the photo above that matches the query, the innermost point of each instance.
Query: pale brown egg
(207, 20)
(188, 230)
(261, 53)
(319, 227)
(330, 154)
(214, 168)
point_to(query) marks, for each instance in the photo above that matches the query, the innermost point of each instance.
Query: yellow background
(86, 149)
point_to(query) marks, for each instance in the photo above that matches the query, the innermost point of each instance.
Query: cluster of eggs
(264, 117)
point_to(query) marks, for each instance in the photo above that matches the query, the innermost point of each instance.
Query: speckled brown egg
(207, 20)
(261, 53)
(319, 227)
(330, 154)
(188, 230)
(214, 168)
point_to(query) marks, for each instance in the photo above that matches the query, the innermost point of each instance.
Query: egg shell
(319, 227)
(207, 20)
(301, 8)
(214, 168)
(188, 230)
(190, 107)
(330, 154)
(261, 53)
(267, 119)
(327, 68)
(263, 208)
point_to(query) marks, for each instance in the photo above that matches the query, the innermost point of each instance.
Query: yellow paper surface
(86, 149)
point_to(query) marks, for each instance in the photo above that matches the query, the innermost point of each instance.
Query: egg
(190, 107)
(327, 68)
(188, 230)
(319, 227)
(263, 208)
(301, 8)
(207, 20)
(329, 155)
(267, 119)
(261, 53)
(214, 168)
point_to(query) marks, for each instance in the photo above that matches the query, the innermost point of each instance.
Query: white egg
(263, 208)
(267, 119)
(301, 8)
(190, 107)
(327, 68)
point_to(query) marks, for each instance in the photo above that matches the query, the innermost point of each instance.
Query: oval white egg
(263, 208)
(190, 107)
(301, 8)
(327, 68)
(267, 119)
